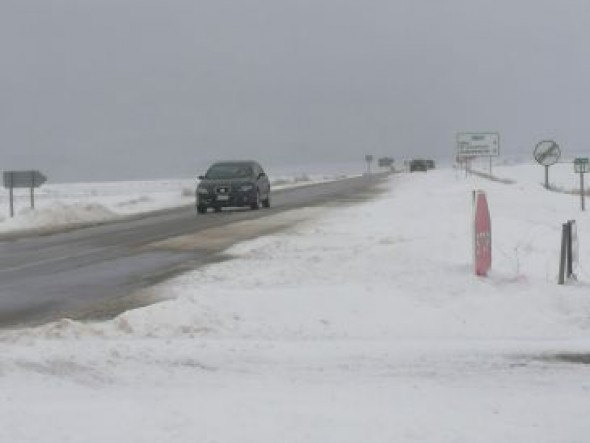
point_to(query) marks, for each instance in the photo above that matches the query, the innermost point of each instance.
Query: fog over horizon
(128, 89)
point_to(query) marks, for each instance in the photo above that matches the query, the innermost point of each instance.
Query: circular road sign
(547, 152)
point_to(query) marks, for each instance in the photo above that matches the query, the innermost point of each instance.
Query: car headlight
(245, 188)
(202, 191)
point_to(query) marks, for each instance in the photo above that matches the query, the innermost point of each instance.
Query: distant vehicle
(385, 162)
(430, 164)
(233, 184)
(418, 165)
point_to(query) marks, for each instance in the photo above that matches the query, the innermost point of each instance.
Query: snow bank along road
(93, 272)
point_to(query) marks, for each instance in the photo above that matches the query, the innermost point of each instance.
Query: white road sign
(478, 144)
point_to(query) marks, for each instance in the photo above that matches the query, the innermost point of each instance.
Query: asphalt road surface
(100, 271)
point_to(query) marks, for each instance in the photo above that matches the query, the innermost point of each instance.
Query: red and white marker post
(482, 234)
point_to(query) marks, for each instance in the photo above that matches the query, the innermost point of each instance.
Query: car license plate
(223, 197)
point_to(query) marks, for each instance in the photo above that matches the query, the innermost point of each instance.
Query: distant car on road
(430, 164)
(385, 162)
(418, 165)
(233, 184)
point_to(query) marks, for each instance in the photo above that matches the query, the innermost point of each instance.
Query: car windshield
(229, 171)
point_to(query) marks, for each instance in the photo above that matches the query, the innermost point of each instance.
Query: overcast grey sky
(103, 89)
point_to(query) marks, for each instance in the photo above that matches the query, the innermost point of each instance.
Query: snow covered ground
(61, 205)
(561, 175)
(363, 323)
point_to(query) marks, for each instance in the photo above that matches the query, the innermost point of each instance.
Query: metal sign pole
(11, 201)
(547, 153)
(33, 192)
(582, 196)
(581, 166)
(569, 262)
(562, 257)
(11, 194)
(369, 160)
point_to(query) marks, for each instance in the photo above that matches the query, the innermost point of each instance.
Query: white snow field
(363, 323)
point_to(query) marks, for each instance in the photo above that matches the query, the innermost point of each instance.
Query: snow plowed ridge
(59, 214)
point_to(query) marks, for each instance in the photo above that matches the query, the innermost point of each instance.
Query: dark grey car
(418, 165)
(233, 184)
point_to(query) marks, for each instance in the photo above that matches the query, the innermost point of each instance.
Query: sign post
(22, 179)
(482, 234)
(569, 256)
(369, 160)
(11, 196)
(582, 166)
(547, 153)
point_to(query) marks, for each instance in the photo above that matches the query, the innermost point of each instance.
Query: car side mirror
(262, 174)
(201, 177)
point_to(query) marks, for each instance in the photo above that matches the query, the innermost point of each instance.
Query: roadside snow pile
(66, 205)
(300, 174)
(561, 175)
(58, 214)
(304, 179)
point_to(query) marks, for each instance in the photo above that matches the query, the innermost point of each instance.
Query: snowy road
(93, 272)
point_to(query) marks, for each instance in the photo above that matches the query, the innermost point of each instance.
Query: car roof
(236, 162)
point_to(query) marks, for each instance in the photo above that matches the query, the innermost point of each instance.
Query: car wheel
(202, 209)
(256, 204)
(266, 201)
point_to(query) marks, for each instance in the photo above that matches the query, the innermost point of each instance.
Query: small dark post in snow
(562, 258)
(566, 259)
(569, 262)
